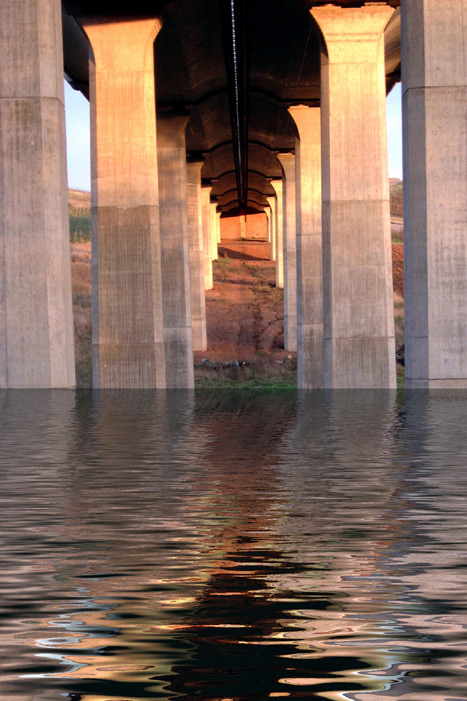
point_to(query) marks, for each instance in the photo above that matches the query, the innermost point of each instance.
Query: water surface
(228, 546)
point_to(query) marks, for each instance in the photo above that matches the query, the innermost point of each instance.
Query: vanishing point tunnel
(200, 107)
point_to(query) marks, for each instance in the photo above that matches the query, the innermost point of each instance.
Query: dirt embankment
(245, 320)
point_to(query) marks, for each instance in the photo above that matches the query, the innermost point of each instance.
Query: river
(232, 546)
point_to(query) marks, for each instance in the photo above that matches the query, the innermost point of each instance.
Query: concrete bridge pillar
(218, 226)
(434, 47)
(195, 231)
(278, 189)
(206, 217)
(309, 247)
(36, 322)
(176, 285)
(213, 230)
(272, 202)
(358, 296)
(128, 345)
(287, 161)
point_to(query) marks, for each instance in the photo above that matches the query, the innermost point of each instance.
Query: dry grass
(399, 319)
(82, 315)
(79, 198)
(264, 371)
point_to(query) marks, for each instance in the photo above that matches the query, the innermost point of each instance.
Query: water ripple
(233, 546)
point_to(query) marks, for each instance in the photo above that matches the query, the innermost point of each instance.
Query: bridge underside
(202, 108)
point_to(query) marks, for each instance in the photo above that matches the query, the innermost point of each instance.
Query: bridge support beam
(206, 215)
(278, 189)
(195, 232)
(218, 226)
(435, 184)
(358, 295)
(272, 202)
(176, 286)
(213, 233)
(287, 161)
(128, 349)
(309, 247)
(36, 322)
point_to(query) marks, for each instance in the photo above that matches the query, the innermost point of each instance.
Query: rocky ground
(245, 320)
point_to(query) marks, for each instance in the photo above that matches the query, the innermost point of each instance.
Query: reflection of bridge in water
(177, 546)
(274, 107)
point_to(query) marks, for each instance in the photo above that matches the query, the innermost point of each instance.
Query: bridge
(202, 107)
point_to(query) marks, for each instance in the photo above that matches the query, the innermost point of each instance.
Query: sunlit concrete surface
(127, 292)
(309, 247)
(435, 185)
(307, 79)
(195, 233)
(287, 161)
(36, 324)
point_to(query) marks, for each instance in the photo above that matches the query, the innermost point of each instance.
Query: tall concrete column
(434, 47)
(128, 347)
(268, 216)
(309, 247)
(243, 223)
(358, 297)
(206, 215)
(36, 322)
(272, 225)
(195, 233)
(213, 230)
(176, 285)
(287, 161)
(218, 226)
(278, 189)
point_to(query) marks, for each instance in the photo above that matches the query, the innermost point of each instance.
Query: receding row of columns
(156, 231)
(173, 247)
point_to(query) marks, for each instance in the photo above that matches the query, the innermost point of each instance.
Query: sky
(78, 140)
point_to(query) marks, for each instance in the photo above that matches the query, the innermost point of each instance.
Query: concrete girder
(256, 182)
(282, 71)
(250, 204)
(253, 196)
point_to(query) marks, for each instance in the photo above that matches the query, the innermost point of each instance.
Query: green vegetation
(222, 268)
(261, 373)
(79, 210)
(397, 202)
(80, 224)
